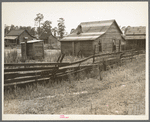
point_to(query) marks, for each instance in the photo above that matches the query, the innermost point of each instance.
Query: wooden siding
(34, 50)
(24, 34)
(86, 48)
(107, 39)
(73, 48)
(66, 47)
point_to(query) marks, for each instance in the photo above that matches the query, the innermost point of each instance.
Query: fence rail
(22, 73)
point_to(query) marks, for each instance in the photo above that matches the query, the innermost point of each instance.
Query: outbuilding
(93, 37)
(33, 49)
(51, 40)
(135, 37)
(15, 37)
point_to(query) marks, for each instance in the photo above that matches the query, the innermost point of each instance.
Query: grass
(12, 57)
(49, 56)
(120, 92)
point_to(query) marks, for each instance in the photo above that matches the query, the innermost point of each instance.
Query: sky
(125, 13)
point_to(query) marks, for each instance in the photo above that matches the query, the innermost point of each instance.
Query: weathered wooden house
(135, 37)
(34, 49)
(98, 36)
(15, 37)
(50, 39)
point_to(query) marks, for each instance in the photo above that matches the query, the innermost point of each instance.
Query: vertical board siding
(86, 47)
(107, 39)
(66, 48)
(24, 34)
(34, 50)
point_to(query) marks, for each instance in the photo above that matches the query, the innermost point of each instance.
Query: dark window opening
(100, 46)
(114, 45)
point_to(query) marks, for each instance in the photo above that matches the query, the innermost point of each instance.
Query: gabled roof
(46, 35)
(90, 30)
(15, 32)
(136, 30)
(18, 33)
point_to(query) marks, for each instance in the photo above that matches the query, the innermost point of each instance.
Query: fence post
(100, 78)
(132, 55)
(94, 54)
(104, 65)
(25, 49)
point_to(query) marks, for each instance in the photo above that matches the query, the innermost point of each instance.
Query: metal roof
(89, 30)
(15, 32)
(86, 34)
(135, 37)
(96, 26)
(18, 32)
(10, 37)
(77, 38)
(33, 41)
(141, 30)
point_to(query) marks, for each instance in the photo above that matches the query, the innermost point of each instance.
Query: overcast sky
(125, 13)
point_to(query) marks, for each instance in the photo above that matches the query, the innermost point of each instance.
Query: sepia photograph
(75, 61)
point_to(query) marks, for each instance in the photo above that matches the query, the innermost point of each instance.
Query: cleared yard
(121, 92)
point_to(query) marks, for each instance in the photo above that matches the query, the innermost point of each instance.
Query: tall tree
(33, 32)
(46, 27)
(124, 29)
(38, 19)
(61, 27)
(12, 27)
(54, 30)
(6, 29)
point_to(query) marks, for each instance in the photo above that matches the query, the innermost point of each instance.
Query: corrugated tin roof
(86, 34)
(78, 38)
(135, 37)
(10, 37)
(33, 41)
(97, 26)
(136, 30)
(88, 29)
(15, 32)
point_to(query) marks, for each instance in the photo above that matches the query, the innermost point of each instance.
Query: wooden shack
(51, 40)
(136, 37)
(15, 37)
(93, 37)
(33, 49)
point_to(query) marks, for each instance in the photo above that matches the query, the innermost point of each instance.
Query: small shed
(89, 37)
(33, 49)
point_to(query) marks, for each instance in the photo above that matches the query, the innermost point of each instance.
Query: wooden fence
(22, 73)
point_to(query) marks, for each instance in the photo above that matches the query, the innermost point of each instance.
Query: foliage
(38, 19)
(124, 29)
(54, 30)
(72, 31)
(61, 27)
(46, 27)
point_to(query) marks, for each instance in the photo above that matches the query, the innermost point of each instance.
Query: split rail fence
(24, 73)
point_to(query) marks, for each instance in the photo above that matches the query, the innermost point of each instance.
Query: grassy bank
(120, 92)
